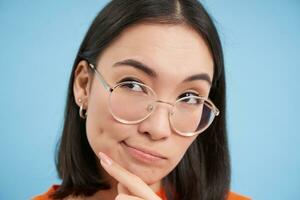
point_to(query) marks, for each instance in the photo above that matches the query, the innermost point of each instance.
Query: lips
(143, 154)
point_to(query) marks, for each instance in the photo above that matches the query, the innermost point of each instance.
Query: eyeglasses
(131, 102)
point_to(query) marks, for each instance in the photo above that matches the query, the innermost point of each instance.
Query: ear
(82, 83)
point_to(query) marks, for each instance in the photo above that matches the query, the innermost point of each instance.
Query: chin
(149, 177)
(151, 181)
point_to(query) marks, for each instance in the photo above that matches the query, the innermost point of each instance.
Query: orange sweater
(45, 196)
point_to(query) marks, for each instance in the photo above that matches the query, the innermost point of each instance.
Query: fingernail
(105, 159)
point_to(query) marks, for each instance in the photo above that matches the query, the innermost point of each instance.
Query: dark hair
(204, 171)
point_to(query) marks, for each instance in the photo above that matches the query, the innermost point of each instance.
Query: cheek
(182, 144)
(103, 132)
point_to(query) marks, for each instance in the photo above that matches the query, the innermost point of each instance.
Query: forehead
(171, 50)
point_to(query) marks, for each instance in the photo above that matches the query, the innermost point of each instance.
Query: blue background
(39, 41)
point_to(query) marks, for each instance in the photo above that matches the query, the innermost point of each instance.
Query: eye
(190, 98)
(133, 85)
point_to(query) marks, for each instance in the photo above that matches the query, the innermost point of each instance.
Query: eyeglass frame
(110, 89)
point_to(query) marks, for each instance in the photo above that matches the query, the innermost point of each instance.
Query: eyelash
(188, 92)
(193, 93)
(130, 79)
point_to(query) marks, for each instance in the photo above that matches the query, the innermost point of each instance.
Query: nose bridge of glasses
(164, 102)
(151, 107)
(157, 102)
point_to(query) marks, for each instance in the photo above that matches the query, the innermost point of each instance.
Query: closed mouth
(146, 153)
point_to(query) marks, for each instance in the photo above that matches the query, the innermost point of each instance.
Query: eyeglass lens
(132, 102)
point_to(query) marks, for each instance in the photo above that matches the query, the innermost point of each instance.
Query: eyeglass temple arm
(100, 78)
(214, 108)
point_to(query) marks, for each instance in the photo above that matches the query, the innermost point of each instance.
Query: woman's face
(172, 53)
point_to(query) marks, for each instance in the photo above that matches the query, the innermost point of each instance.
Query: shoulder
(161, 193)
(231, 195)
(46, 195)
(235, 196)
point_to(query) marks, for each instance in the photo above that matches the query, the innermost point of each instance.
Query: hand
(130, 187)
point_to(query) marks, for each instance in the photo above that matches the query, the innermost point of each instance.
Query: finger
(122, 189)
(126, 197)
(133, 183)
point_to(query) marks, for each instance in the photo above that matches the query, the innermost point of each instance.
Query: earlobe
(81, 83)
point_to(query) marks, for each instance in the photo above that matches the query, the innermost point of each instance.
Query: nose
(157, 125)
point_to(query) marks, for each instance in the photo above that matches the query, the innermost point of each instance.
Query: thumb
(122, 189)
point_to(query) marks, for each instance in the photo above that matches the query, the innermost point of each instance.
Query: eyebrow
(147, 70)
(138, 65)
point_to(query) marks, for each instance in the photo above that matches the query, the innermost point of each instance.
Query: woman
(149, 84)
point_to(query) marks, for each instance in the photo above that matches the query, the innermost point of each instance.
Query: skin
(174, 52)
